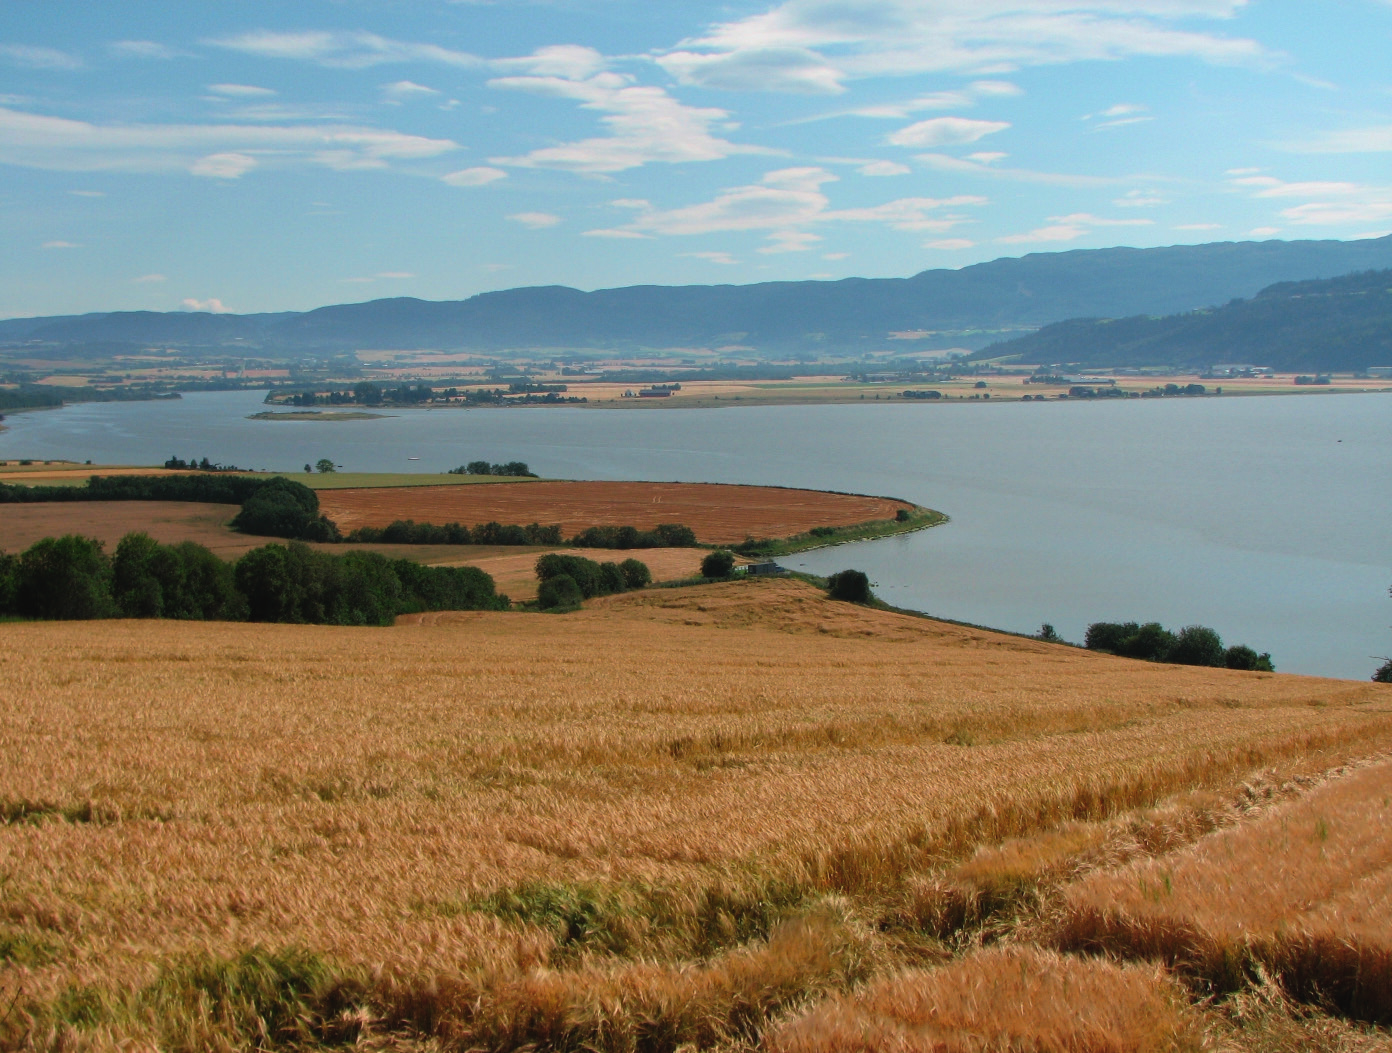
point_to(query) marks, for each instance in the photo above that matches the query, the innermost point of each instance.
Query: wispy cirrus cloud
(945, 131)
(477, 176)
(820, 45)
(223, 151)
(144, 49)
(1069, 228)
(342, 50)
(786, 204)
(33, 57)
(535, 220)
(1325, 202)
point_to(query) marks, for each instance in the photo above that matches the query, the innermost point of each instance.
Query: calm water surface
(1266, 518)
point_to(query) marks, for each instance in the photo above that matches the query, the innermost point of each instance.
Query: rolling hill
(970, 307)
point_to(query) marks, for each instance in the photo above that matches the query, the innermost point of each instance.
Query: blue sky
(257, 156)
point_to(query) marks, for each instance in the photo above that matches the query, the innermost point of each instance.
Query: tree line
(71, 577)
(1192, 645)
(512, 468)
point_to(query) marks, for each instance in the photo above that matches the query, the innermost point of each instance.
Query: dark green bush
(64, 578)
(850, 585)
(1240, 656)
(718, 564)
(559, 592)
(1196, 645)
(636, 574)
(1384, 673)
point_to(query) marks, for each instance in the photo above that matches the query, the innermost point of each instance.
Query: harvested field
(1305, 891)
(108, 521)
(719, 514)
(695, 808)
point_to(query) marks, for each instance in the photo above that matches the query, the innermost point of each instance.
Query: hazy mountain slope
(1315, 326)
(847, 316)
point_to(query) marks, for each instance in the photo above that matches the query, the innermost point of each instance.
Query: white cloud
(149, 279)
(1373, 140)
(38, 57)
(949, 244)
(1327, 202)
(87, 193)
(1069, 228)
(1199, 226)
(723, 258)
(1140, 199)
(819, 45)
(142, 49)
(568, 61)
(384, 275)
(240, 91)
(342, 50)
(616, 234)
(982, 166)
(61, 245)
(403, 90)
(787, 69)
(1118, 116)
(937, 100)
(646, 126)
(1263, 232)
(884, 168)
(211, 306)
(945, 131)
(785, 204)
(474, 176)
(535, 220)
(218, 150)
(835, 255)
(229, 165)
(790, 241)
(987, 157)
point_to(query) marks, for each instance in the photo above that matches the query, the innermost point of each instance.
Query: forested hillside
(1303, 327)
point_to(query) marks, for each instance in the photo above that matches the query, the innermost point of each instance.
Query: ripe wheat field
(732, 816)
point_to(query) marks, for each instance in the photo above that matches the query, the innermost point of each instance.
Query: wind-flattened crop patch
(1300, 893)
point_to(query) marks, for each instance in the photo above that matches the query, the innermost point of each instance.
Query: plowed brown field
(718, 513)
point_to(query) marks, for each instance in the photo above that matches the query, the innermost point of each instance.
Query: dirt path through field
(718, 513)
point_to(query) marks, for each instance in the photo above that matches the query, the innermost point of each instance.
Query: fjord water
(1265, 518)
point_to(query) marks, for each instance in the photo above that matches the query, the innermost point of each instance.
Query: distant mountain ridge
(968, 307)
(1321, 326)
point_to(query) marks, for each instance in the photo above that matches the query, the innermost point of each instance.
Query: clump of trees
(513, 468)
(566, 580)
(284, 508)
(409, 532)
(664, 535)
(853, 586)
(1192, 645)
(718, 564)
(203, 465)
(71, 577)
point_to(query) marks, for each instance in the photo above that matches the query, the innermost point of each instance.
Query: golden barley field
(734, 816)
